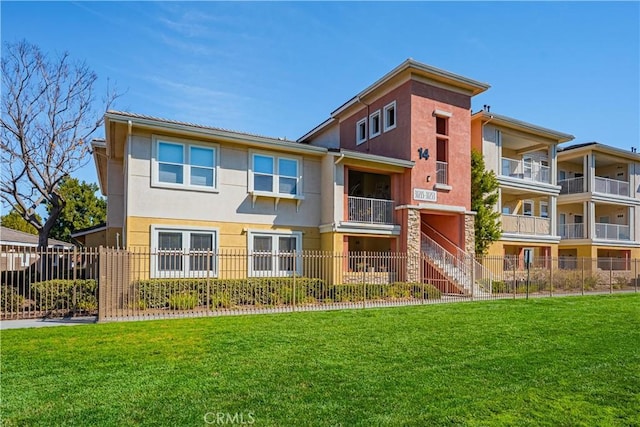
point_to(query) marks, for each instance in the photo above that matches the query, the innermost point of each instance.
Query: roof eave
(510, 122)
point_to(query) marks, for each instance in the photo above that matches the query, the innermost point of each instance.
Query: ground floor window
(184, 252)
(274, 254)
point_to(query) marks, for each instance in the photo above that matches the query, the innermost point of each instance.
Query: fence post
(582, 281)
(102, 283)
(515, 281)
(364, 280)
(610, 275)
(293, 292)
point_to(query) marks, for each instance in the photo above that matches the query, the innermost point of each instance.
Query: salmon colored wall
(394, 143)
(450, 226)
(476, 135)
(425, 99)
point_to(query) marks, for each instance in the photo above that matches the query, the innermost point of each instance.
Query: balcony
(612, 231)
(526, 169)
(571, 185)
(525, 224)
(571, 231)
(371, 211)
(611, 186)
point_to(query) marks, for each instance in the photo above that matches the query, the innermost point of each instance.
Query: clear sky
(279, 69)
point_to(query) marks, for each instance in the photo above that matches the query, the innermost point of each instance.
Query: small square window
(374, 124)
(361, 131)
(390, 116)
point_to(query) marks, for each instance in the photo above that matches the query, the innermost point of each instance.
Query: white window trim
(544, 204)
(386, 126)
(276, 178)
(274, 262)
(373, 134)
(186, 231)
(361, 122)
(532, 207)
(186, 145)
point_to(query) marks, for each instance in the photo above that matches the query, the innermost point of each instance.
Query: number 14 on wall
(423, 153)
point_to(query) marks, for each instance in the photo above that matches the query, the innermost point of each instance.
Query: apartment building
(599, 202)
(524, 159)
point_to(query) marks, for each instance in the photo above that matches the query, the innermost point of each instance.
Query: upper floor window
(389, 113)
(442, 125)
(374, 124)
(181, 164)
(361, 131)
(275, 175)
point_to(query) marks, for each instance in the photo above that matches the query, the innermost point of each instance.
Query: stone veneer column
(470, 233)
(413, 245)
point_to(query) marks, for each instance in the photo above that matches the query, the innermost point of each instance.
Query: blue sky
(279, 69)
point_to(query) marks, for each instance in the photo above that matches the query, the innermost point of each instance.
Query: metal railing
(120, 284)
(612, 231)
(525, 224)
(527, 170)
(611, 186)
(571, 231)
(442, 174)
(571, 185)
(372, 211)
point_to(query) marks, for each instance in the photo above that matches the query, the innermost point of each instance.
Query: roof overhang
(521, 126)
(411, 69)
(581, 149)
(99, 149)
(372, 161)
(154, 124)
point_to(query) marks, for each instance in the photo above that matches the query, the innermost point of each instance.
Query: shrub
(59, 294)
(10, 300)
(183, 301)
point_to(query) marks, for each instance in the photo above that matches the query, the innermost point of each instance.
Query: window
(442, 164)
(274, 175)
(184, 165)
(274, 254)
(390, 116)
(361, 131)
(442, 125)
(527, 208)
(183, 252)
(544, 209)
(374, 124)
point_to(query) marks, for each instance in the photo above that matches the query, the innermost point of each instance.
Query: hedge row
(226, 293)
(59, 295)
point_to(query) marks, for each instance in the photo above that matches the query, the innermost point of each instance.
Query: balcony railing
(528, 170)
(524, 224)
(613, 231)
(372, 211)
(571, 185)
(611, 186)
(442, 173)
(571, 231)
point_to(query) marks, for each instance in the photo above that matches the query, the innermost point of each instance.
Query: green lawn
(555, 361)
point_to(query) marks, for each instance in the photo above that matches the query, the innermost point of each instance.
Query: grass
(571, 361)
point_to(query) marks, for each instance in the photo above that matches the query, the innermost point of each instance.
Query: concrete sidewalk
(41, 323)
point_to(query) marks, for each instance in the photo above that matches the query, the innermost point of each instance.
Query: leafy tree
(484, 197)
(15, 221)
(46, 125)
(82, 208)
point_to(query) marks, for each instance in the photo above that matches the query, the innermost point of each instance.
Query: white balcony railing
(372, 211)
(524, 224)
(571, 185)
(612, 231)
(571, 231)
(526, 169)
(442, 173)
(611, 186)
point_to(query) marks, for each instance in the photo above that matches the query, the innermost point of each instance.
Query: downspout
(125, 171)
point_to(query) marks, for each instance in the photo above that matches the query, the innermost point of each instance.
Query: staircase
(463, 272)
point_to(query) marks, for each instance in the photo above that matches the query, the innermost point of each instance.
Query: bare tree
(47, 121)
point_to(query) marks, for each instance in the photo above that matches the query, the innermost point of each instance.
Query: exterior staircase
(465, 275)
